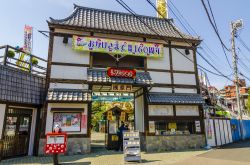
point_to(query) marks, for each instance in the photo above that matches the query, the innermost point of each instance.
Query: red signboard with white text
(56, 143)
(124, 73)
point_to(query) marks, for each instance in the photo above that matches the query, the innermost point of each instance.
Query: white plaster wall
(65, 54)
(187, 79)
(2, 114)
(49, 121)
(161, 89)
(68, 86)
(119, 37)
(160, 63)
(160, 77)
(185, 90)
(160, 110)
(187, 110)
(32, 132)
(181, 62)
(68, 72)
(139, 114)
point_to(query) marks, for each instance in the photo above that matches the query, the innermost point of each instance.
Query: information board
(131, 146)
(56, 143)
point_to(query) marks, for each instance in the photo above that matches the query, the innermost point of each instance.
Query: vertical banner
(28, 32)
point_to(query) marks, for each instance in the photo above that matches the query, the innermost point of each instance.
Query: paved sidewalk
(107, 158)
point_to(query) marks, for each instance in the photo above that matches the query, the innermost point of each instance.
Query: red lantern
(124, 73)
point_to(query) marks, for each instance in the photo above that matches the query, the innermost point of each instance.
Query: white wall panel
(49, 121)
(161, 89)
(2, 114)
(182, 63)
(159, 63)
(226, 131)
(32, 132)
(217, 128)
(120, 37)
(222, 133)
(160, 110)
(68, 72)
(139, 114)
(229, 128)
(64, 52)
(68, 86)
(210, 132)
(160, 77)
(187, 79)
(187, 110)
(185, 90)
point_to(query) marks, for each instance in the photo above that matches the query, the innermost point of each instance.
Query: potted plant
(34, 61)
(11, 54)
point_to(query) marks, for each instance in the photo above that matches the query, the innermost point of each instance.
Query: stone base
(74, 146)
(177, 142)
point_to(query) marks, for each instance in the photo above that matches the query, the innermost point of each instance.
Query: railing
(22, 60)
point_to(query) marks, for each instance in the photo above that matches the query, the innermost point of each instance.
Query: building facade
(164, 84)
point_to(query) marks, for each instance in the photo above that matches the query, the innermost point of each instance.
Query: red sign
(56, 143)
(125, 73)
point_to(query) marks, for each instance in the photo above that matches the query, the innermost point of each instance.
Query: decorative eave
(112, 22)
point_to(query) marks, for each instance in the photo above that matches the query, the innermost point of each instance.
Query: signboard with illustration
(114, 46)
(68, 122)
(56, 143)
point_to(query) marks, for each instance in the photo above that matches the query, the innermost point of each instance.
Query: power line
(243, 43)
(122, 3)
(194, 32)
(188, 42)
(216, 29)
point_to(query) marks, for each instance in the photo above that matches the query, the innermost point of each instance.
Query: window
(69, 122)
(175, 128)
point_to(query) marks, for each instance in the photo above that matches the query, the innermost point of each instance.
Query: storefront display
(175, 128)
(69, 122)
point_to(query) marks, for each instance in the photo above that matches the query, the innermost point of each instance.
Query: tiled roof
(68, 95)
(100, 76)
(112, 21)
(174, 98)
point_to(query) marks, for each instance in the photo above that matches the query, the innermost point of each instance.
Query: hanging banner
(28, 32)
(114, 46)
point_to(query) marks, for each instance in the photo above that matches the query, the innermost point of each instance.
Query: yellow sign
(123, 116)
(114, 46)
(121, 88)
(172, 126)
(110, 115)
(162, 9)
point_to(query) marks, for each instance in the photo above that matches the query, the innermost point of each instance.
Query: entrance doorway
(16, 132)
(104, 128)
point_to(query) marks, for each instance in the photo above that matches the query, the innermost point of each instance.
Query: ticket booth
(114, 118)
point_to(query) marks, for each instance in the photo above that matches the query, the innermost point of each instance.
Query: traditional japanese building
(100, 55)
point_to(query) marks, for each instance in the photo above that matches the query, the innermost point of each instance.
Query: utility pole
(234, 27)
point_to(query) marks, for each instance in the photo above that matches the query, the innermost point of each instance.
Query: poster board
(131, 146)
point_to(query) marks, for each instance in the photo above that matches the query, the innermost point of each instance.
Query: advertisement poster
(69, 122)
(114, 46)
(28, 30)
(151, 127)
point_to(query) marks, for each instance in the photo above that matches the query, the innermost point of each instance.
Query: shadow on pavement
(77, 163)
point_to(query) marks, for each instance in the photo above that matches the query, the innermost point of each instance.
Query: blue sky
(14, 14)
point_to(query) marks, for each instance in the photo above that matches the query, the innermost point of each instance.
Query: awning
(68, 95)
(174, 98)
(100, 76)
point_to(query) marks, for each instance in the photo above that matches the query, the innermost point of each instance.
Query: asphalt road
(232, 154)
